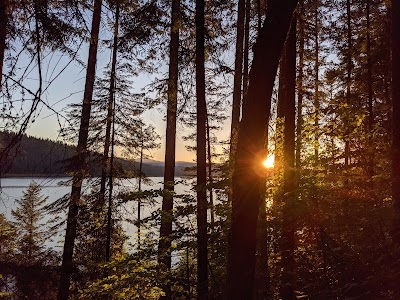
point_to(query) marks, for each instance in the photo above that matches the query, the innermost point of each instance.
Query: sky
(66, 87)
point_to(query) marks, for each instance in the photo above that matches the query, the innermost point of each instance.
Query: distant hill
(43, 157)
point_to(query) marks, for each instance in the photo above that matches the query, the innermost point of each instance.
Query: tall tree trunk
(396, 116)
(3, 34)
(202, 257)
(110, 109)
(246, 52)
(348, 86)
(140, 189)
(248, 176)
(316, 85)
(259, 16)
(262, 278)
(210, 176)
(110, 190)
(237, 80)
(288, 81)
(164, 251)
(80, 158)
(371, 120)
(300, 85)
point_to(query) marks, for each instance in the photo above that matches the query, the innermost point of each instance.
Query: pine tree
(32, 233)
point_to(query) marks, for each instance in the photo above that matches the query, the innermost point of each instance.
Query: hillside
(43, 157)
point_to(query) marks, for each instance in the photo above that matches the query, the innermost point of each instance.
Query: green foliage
(31, 230)
(127, 278)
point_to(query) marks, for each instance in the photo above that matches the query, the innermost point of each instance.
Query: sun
(269, 162)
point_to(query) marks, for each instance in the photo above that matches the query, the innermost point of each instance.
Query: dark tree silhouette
(287, 87)
(396, 116)
(80, 158)
(248, 176)
(202, 256)
(164, 251)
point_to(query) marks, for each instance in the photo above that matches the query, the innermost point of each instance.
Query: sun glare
(269, 162)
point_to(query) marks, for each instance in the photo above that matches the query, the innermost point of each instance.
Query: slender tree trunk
(110, 190)
(202, 257)
(396, 116)
(140, 189)
(210, 176)
(300, 87)
(259, 16)
(3, 34)
(316, 85)
(348, 85)
(262, 279)
(246, 52)
(110, 109)
(371, 120)
(249, 176)
(164, 251)
(237, 79)
(80, 158)
(287, 243)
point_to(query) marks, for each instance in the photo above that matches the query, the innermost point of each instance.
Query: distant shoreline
(12, 175)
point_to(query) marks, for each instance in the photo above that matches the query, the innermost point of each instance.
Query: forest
(300, 199)
(45, 157)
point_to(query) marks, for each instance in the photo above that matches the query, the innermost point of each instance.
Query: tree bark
(249, 175)
(202, 257)
(287, 243)
(164, 252)
(80, 159)
(396, 116)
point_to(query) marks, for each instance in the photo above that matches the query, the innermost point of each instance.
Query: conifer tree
(31, 231)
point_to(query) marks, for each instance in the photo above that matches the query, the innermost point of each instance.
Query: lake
(13, 188)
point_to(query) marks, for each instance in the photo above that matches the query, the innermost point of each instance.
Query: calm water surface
(13, 188)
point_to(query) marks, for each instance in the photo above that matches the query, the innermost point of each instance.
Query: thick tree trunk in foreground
(80, 159)
(164, 254)
(287, 243)
(202, 257)
(237, 79)
(396, 116)
(249, 173)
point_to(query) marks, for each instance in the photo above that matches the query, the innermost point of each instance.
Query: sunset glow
(269, 162)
